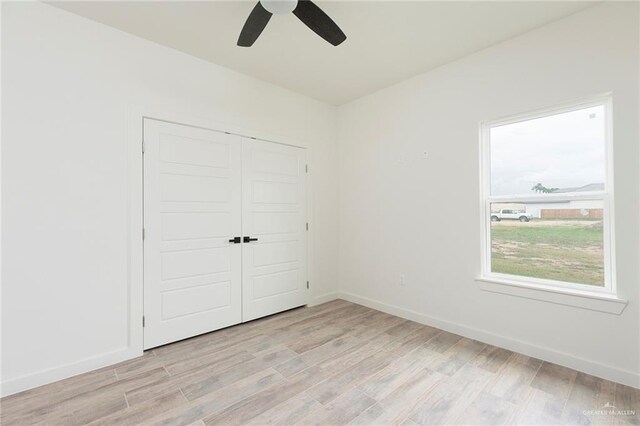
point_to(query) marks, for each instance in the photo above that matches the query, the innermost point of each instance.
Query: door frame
(135, 199)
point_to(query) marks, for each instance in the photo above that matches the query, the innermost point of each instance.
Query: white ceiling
(387, 41)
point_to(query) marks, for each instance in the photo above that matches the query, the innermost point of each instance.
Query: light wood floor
(337, 363)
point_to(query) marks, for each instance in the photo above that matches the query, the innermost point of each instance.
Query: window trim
(505, 282)
(602, 302)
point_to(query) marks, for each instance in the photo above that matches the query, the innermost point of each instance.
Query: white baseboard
(546, 354)
(43, 377)
(19, 384)
(318, 300)
(30, 381)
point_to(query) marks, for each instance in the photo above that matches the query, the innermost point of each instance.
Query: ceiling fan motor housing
(279, 7)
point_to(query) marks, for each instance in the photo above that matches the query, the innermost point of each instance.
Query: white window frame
(505, 283)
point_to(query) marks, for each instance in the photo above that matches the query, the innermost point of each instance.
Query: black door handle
(235, 240)
(249, 239)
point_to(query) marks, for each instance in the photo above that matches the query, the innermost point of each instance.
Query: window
(547, 198)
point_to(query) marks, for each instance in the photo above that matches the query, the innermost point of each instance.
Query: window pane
(560, 241)
(559, 153)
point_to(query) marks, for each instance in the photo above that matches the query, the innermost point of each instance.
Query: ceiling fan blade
(313, 17)
(257, 20)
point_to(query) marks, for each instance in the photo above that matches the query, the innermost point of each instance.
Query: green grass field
(562, 250)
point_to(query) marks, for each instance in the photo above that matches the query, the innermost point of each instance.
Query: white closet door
(274, 267)
(192, 208)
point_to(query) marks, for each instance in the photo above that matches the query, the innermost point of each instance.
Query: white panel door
(274, 213)
(192, 208)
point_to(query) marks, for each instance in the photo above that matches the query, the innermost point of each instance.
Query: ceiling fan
(307, 11)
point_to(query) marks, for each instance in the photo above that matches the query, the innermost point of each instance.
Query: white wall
(401, 213)
(68, 84)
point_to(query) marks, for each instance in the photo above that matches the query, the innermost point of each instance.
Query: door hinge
(306, 168)
(307, 284)
(143, 233)
(307, 226)
(143, 147)
(143, 320)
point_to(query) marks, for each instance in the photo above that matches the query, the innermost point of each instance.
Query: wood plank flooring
(334, 364)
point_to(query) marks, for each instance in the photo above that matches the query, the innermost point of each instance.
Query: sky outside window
(560, 151)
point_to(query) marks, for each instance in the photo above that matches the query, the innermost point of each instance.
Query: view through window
(546, 203)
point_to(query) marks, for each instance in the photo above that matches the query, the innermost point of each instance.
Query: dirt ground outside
(562, 250)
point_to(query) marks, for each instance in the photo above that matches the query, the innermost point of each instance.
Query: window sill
(595, 301)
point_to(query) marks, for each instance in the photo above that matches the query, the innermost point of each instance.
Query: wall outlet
(401, 282)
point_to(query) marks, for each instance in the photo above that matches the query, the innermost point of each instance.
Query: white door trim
(135, 211)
